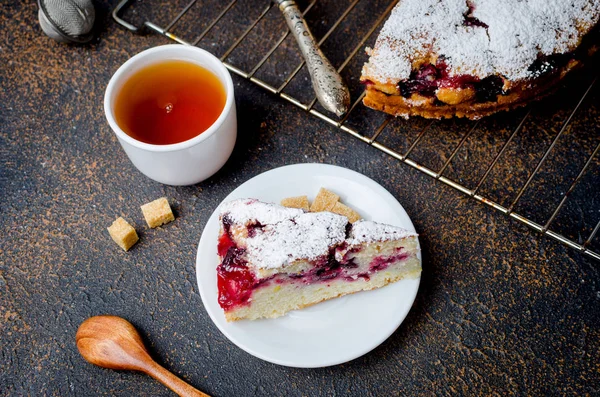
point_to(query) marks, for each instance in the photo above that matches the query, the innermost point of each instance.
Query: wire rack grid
(516, 147)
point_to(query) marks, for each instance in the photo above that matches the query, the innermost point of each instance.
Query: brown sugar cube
(324, 201)
(123, 233)
(348, 212)
(296, 202)
(157, 212)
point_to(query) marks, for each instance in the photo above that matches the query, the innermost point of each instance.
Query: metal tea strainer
(67, 21)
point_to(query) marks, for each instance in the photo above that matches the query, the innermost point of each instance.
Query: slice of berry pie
(472, 58)
(275, 259)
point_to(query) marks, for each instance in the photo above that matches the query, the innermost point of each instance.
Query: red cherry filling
(235, 286)
(224, 244)
(234, 281)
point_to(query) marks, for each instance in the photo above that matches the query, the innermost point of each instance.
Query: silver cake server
(331, 91)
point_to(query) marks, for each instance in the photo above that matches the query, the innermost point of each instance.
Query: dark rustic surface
(500, 310)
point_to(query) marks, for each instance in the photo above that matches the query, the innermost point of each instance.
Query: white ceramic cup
(187, 162)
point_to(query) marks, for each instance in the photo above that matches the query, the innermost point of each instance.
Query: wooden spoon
(112, 342)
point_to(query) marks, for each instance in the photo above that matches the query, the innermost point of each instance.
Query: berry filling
(489, 88)
(224, 244)
(474, 22)
(429, 78)
(236, 282)
(382, 262)
(548, 64)
(254, 229)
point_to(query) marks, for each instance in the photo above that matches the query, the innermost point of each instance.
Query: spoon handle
(329, 87)
(174, 383)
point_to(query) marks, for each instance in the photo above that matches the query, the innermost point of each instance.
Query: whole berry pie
(274, 259)
(472, 58)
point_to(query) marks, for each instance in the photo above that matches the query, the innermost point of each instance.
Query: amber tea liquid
(169, 102)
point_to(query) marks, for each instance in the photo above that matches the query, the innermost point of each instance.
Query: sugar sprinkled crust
(307, 236)
(511, 36)
(268, 270)
(286, 234)
(251, 210)
(370, 232)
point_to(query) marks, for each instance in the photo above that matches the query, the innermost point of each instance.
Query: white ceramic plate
(331, 332)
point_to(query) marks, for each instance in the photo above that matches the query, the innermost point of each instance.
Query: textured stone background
(500, 311)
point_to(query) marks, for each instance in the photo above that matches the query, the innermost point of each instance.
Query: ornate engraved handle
(331, 91)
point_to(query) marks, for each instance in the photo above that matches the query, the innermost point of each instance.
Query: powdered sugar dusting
(370, 232)
(514, 33)
(307, 236)
(288, 234)
(243, 211)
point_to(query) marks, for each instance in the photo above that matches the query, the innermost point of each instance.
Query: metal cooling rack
(370, 135)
